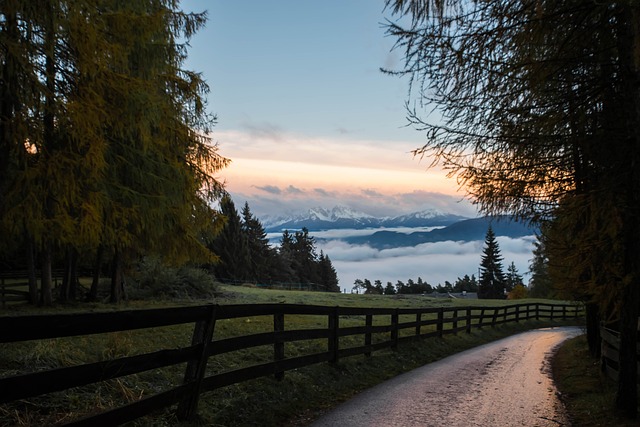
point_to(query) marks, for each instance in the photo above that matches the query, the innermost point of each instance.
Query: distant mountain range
(450, 227)
(465, 230)
(340, 217)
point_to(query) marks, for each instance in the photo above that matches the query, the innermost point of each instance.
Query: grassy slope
(588, 395)
(299, 398)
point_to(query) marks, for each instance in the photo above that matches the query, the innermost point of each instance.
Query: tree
(492, 282)
(539, 106)
(540, 285)
(328, 278)
(231, 245)
(467, 284)
(261, 255)
(102, 134)
(512, 278)
(389, 289)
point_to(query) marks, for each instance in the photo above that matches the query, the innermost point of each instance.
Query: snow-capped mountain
(341, 217)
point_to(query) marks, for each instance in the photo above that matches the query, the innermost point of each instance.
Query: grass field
(300, 397)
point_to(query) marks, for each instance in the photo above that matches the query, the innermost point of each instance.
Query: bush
(518, 292)
(153, 279)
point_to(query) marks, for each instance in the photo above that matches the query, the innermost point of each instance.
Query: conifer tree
(260, 253)
(492, 281)
(231, 245)
(328, 278)
(512, 278)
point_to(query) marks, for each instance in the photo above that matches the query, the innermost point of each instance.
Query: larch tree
(537, 104)
(104, 131)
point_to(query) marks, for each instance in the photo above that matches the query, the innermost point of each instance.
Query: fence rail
(395, 325)
(10, 280)
(610, 352)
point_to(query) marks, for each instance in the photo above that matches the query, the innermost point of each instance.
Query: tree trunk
(31, 269)
(593, 329)
(116, 277)
(629, 46)
(63, 291)
(93, 293)
(46, 281)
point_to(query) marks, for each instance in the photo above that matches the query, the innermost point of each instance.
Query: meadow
(301, 396)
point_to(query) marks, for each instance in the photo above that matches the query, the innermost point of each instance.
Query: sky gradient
(304, 113)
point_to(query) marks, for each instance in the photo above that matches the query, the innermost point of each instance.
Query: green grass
(302, 395)
(588, 394)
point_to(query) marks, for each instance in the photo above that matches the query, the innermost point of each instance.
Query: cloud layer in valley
(435, 263)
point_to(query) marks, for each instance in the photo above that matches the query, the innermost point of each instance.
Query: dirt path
(504, 383)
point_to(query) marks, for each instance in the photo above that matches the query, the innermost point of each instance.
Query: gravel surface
(503, 383)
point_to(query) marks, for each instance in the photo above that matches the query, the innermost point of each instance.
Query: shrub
(518, 292)
(154, 279)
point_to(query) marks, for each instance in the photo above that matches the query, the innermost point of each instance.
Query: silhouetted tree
(512, 278)
(492, 281)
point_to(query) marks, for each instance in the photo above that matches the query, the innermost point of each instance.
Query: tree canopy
(103, 131)
(536, 111)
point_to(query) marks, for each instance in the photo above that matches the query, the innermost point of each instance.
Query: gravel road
(503, 383)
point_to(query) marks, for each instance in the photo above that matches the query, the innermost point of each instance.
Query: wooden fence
(610, 352)
(393, 325)
(14, 285)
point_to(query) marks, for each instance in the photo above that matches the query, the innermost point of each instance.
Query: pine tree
(328, 278)
(231, 245)
(512, 278)
(261, 254)
(492, 281)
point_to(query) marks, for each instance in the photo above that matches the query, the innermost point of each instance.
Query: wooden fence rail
(610, 352)
(395, 326)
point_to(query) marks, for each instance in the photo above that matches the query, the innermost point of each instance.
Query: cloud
(298, 172)
(269, 189)
(433, 262)
(324, 193)
(263, 130)
(294, 190)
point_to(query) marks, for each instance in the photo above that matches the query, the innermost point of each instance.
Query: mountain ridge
(341, 217)
(465, 230)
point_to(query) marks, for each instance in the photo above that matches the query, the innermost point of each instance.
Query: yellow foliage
(518, 292)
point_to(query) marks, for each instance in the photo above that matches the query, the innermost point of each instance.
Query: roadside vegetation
(588, 394)
(301, 396)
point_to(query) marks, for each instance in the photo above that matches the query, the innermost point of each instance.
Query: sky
(309, 120)
(304, 112)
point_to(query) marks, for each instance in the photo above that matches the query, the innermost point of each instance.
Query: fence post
(537, 311)
(334, 339)
(518, 313)
(481, 319)
(494, 319)
(468, 320)
(455, 322)
(564, 312)
(367, 335)
(194, 372)
(278, 344)
(418, 320)
(440, 325)
(394, 330)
